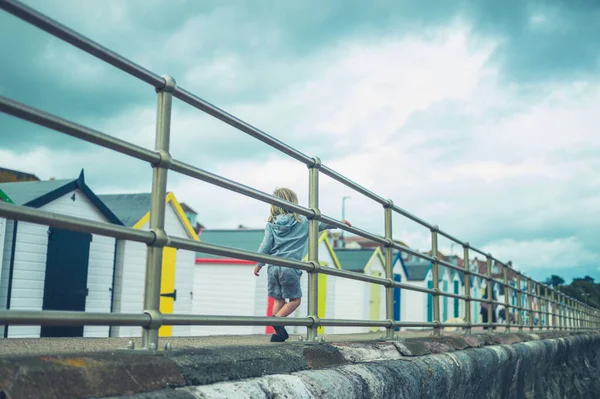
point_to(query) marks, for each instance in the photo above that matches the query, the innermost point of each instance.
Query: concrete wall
(547, 365)
(558, 368)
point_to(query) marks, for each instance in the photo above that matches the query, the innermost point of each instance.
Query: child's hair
(285, 194)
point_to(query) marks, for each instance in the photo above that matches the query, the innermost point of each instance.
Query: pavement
(57, 346)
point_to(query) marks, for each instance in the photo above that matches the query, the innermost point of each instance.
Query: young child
(286, 235)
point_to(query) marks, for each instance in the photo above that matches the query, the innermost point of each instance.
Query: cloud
(539, 254)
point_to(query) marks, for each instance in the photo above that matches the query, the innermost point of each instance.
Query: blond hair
(285, 194)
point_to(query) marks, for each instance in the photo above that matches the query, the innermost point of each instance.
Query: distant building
(13, 176)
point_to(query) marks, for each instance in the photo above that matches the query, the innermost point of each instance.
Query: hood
(283, 224)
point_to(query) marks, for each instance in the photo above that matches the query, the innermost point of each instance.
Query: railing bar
(354, 323)
(414, 324)
(231, 185)
(412, 217)
(357, 231)
(217, 320)
(33, 215)
(413, 252)
(351, 184)
(452, 238)
(73, 129)
(452, 295)
(353, 276)
(479, 251)
(60, 31)
(231, 120)
(451, 266)
(72, 318)
(413, 288)
(477, 274)
(198, 246)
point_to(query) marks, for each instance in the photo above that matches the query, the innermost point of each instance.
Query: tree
(554, 281)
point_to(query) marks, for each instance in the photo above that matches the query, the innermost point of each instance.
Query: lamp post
(344, 218)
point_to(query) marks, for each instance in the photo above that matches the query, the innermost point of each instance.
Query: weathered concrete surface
(57, 346)
(85, 376)
(560, 368)
(548, 365)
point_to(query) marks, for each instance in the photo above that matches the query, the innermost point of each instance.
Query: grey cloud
(553, 40)
(139, 30)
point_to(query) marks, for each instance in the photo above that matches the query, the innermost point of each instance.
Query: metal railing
(556, 311)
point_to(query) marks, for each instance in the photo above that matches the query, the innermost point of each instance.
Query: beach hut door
(65, 284)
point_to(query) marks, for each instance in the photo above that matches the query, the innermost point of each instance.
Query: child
(286, 235)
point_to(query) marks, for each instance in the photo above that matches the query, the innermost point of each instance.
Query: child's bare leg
(288, 308)
(277, 305)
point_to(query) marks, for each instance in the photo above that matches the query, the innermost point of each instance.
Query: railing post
(540, 305)
(577, 314)
(574, 307)
(587, 317)
(313, 250)
(389, 271)
(560, 309)
(554, 317)
(569, 312)
(506, 298)
(467, 288)
(436, 284)
(154, 251)
(530, 303)
(490, 292)
(546, 308)
(519, 303)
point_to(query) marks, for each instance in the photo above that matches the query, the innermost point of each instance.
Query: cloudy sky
(478, 116)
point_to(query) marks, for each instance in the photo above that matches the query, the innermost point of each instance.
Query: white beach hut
(47, 268)
(358, 300)
(177, 265)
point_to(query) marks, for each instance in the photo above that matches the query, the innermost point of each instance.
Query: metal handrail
(555, 309)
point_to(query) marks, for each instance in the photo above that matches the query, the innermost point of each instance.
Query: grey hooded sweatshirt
(287, 237)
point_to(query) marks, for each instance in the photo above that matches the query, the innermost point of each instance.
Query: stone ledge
(131, 372)
(549, 368)
(82, 376)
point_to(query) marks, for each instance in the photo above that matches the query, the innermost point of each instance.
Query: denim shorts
(283, 282)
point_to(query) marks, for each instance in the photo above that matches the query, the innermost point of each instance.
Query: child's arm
(265, 247)
(324, 226)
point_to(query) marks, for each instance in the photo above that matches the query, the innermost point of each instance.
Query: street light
(344, 217)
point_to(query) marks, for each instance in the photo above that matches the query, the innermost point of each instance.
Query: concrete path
(55, 346)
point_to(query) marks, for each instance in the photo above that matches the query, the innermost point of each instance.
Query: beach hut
(475, 294)
(401, 297)
(416, 306)
(457, 308)
(227, 286)
(177, 277)
(218, 277)
(47, 268)
(356, 299)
